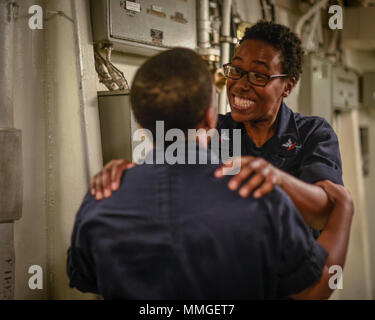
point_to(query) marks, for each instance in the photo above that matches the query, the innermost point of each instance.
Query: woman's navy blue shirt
(304, 146)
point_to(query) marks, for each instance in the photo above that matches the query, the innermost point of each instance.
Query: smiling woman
(285, 148)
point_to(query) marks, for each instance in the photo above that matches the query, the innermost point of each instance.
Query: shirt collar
(287, 127)
(190, 147)
(286, 132)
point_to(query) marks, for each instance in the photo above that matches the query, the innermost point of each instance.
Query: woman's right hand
(108, 179)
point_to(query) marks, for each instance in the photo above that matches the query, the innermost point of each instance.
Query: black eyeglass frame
(243, 72)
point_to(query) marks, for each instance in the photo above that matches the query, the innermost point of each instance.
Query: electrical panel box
(117, 125)
(144, 27)
(344, 89)
(315, 88)
(368, 87)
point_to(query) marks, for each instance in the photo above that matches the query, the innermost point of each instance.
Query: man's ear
(289, 85)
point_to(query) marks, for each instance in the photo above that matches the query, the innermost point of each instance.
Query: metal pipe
(334, 42)
(10, 138)
(204, 25)
(225, 32)
(309, 14)
(309, 45)
(87, 95)
(10, 153)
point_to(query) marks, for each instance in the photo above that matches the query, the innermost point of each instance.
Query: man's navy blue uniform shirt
(177, 232)
(304, 146)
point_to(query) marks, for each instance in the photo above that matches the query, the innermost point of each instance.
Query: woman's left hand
(264, 176)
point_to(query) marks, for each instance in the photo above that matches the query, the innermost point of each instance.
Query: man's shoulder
(277, 200)
(265, 208)
(134, 181)
(200, 176)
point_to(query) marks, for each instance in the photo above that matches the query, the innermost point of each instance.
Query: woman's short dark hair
(173, 86)
(283, 39)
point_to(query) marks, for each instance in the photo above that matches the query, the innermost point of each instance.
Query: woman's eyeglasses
(255, 78)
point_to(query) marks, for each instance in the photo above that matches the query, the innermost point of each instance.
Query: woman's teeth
(242, 102)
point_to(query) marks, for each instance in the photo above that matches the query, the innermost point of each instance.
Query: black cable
(263, 12)
(272, 6)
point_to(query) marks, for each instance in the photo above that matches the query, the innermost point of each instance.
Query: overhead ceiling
(355, 3)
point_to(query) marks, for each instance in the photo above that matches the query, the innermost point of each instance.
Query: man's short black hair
(173, 86)
(283, 39)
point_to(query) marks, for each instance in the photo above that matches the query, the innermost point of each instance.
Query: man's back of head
(174, 86)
